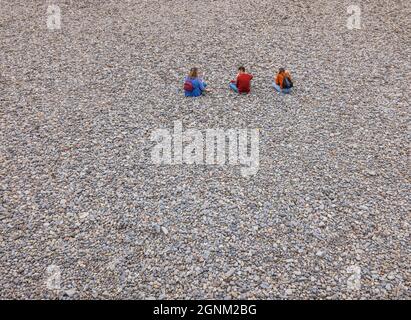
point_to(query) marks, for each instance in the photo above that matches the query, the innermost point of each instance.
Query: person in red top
(243, 82)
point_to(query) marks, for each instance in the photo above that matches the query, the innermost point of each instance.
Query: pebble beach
(86, 214)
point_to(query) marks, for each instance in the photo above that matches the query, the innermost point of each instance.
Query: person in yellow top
(283, 82)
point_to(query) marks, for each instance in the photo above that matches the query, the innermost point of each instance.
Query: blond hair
(193, 73)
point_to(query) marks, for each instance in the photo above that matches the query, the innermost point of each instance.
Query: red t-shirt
(244, 82)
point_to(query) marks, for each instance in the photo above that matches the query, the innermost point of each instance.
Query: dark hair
(281, 70)
(241, 69)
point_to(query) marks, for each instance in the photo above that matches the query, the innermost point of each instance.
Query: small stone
(157, 228)
(83, 215)
(229, 273)
(371, 172)
(391, 276)
(70, 292)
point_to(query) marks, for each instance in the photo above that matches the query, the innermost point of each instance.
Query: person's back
(197, 84)
(198, 87)
(279, 83)
(242, 84)
(279, 79)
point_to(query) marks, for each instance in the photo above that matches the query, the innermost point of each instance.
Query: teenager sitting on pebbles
(194, 86)
(283, 82)
(242, 84)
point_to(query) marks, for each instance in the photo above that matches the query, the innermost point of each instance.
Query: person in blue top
(194, 86)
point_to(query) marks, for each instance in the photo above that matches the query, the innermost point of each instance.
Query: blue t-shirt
(198, 87)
